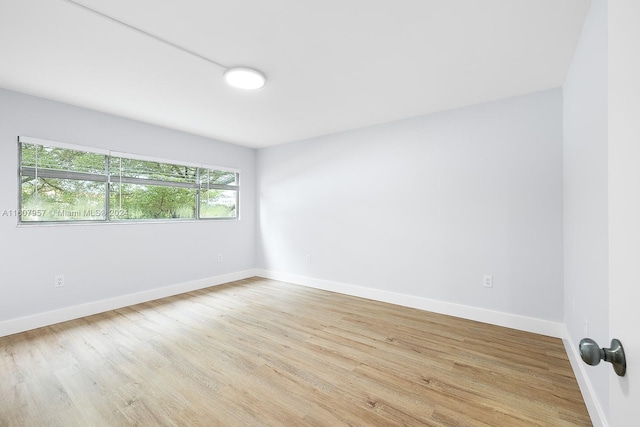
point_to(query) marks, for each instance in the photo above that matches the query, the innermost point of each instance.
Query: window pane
(62, 159)
(216, 177)
(218, 204)
(133, 168)
(50, 199)
(135, 201)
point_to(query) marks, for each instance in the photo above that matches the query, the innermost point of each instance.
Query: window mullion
(107, 199)
(197, 193)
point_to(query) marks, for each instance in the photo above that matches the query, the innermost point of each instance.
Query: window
(62, 183)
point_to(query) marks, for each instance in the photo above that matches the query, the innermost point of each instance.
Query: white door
(624, 206)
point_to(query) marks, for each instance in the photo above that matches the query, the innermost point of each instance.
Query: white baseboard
(21, 324)
(529, 324)
(598, 417)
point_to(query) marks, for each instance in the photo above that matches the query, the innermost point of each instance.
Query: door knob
(592, 354)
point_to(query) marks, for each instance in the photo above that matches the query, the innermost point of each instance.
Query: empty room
(319, 213)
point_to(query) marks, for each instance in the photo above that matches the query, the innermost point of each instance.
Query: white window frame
(107, 179)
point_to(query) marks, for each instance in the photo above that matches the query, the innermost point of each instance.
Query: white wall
(426, 206)
(586, 267)
(111, 260)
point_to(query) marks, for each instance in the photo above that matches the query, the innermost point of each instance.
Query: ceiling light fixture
(244, 78)
(238, 77)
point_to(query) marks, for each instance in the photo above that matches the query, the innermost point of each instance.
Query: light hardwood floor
(260, 352)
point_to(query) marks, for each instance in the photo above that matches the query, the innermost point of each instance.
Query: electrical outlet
(220, 257)
(487, 281)
(58, 281)
(308, 259)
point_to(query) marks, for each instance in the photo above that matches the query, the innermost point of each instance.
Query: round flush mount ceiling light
(244, 78)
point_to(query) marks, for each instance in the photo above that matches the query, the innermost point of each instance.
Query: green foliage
(62, 159)
(132, 201)
(133, 168)
(63, 199)
(217, 204)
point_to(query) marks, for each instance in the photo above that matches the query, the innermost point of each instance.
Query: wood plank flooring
(264, 353)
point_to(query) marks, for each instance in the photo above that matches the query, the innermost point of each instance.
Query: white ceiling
(332, 65)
